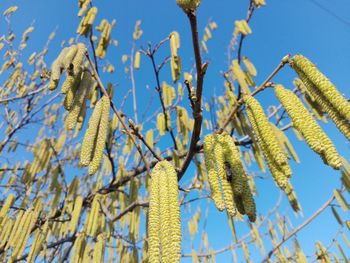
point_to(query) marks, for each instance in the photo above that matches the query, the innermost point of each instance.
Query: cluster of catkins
(275, 156)
(324, 93)
(87, 21)
(227, 179)
(105, 29)
(15, 233)
(95, 136)
(164, 224)
(77, 84)
(70, 59)
(304, 122)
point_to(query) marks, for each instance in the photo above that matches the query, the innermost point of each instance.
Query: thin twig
(263, 86)
(197, 110)
(297, 229)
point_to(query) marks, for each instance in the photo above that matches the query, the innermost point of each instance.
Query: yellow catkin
(68, 84)
(154, 219)
(249, 203)
(6, 207)
(225, 185)
(233, 163)
(78, 203)
(56, 69)
(6, 231)
(79, 100)
(164, 214)
(67, 61)
(174, 211)
(308, 127)
(279, 176)
(323, 84)
(161, 124)
(292, 198)
(94, 95)
(233, 158)
(78, 249)
(265, 131)
(137, 60)
(342, 124)
(94, 217)
(79, 58)
(18, 233)
(213, 177)
(70, 93)
(164, 224)
(101, 137)
(88, 146)
(87, 21)
(16, 225)
(98, 255)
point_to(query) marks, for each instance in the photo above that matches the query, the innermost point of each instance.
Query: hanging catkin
(225, 184)
(164, 224)
(265, 132)
(88, 146)
(79, 100)
(233, 158)
(308, 127)
(101, 136)
(322, 84)
(342, 124)
(239, 183)
(274, 155)
(56, 69)
(78, 58)
(213, 177)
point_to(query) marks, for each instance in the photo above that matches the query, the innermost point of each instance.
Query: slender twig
(197, 111)
(136, 132)
(150, 53)
(240, 102)
(23, 96)
(297, 229)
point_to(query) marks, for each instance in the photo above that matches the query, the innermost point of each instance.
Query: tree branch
(197, 110)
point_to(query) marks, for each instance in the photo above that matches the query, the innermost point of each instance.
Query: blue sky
(282, 27)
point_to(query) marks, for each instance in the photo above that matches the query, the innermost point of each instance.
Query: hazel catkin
(213, 177)
(164, 225)
(101, 136)
(308, 127)
(322, 84)
(88, 146)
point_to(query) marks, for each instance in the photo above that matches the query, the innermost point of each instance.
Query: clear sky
(282, 27)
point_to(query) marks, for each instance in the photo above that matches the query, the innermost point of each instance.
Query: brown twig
(197, 111)
(240, 102)
(150, 53)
